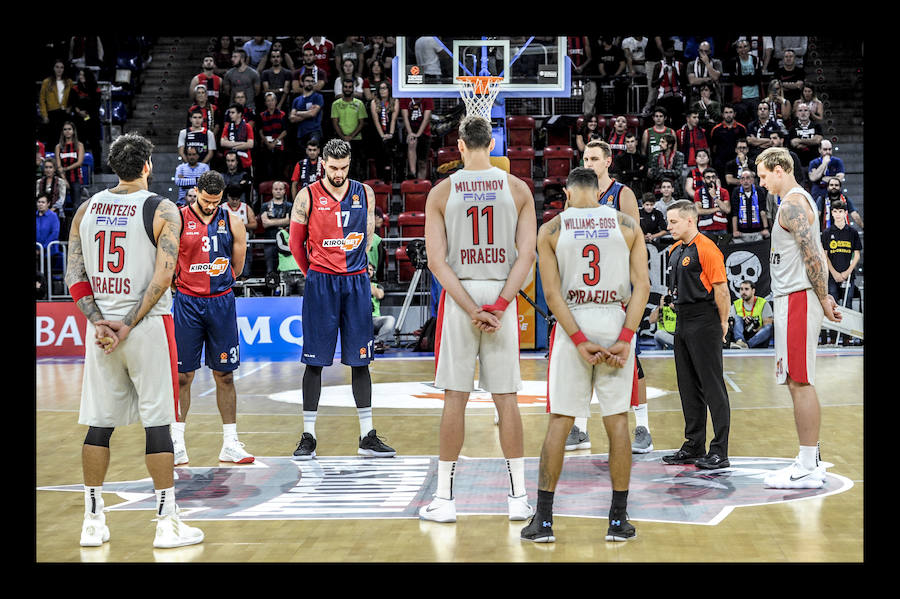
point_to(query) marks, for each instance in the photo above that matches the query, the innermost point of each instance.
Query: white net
(478, 94)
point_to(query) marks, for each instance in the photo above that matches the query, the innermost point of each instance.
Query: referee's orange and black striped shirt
(696, 267)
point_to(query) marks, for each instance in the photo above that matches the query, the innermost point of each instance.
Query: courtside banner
(269, 328)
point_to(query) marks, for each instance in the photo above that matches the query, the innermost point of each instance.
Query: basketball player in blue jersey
(212, 253)
(332, 224)
(597, 157)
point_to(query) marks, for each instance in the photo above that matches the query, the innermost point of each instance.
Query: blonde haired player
(480, 230)
(593, 263)
(799, 274)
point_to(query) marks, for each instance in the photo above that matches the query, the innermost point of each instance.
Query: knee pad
(159, 440)
(98, 436)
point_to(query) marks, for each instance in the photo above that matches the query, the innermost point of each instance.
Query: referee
(699, 285)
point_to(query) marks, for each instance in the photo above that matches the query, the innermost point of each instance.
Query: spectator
(589, 130)
(416, 113)
(760, 47)
(287, 62)
(275, 213)
(52, 186)
(293, 47)
(273, 128)
(669, 164)
(758, 131)
(85, 101)
(69, 154)
(376, 254)
(723, 139)
(691, 137)
(664, 337)
(383, 324)
(741, 163)
(749, 221)
(187, 173)
(617, 135)
(578, 49)
(381, 49)
(353, 50)
(308, 65)
(323, 49)
(708, 110)
(348, 116)
(704, 70)
(208, 78)
(306, 112)
(40, 154)
(241, 77)
(666, 196)
(808, 96)
(842, 250)
(237, 135)
(671, 83)
(754, 320)
(309, 170)
(791, 76)
(805, 135)
(746, 75)
(653, 53)
(376, 77)
(630, 167)
(778, 104)
(428, 51)
(247, 113)
(85, 51)
(634, 48)
(242, 210)
(653, 222)
(54, 102)
(651, 136)
(291, 276)
(794, 44)
(347, 72)
(47, 231)
(713, 206)
(197, 136)
(222, 51)
(611, 68)
(235, 174)
(694, 178)
(276, 79)
(212, 115)
(385, 109)
(823, 168)
(834, 194)
(256, 49)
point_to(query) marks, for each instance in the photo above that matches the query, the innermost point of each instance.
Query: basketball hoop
(478, 94)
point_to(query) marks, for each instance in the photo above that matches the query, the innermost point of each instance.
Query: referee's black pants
(698, 368)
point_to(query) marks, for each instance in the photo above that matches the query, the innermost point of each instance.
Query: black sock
(619, 505)
(544, 510)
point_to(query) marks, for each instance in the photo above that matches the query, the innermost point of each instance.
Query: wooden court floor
(824, 528)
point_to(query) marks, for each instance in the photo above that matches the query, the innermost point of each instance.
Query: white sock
(516, 468)
(309, 422)
(640, 416)
(581, 423)
(93, 499)
(165, 501)
(177, 431)
(809, 456)
(365, 420)
(229, 432)
(446, 472)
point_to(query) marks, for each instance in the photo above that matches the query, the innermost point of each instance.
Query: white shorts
(798, 321)
(570, 380)
(458, 343)
(137, 382)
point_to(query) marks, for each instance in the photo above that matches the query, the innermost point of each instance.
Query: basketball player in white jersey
(593, 263)
(480, 230)
(123, 247)
(799, 274)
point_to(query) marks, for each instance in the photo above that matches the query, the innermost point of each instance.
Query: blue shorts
(332, 303)
(209, 321)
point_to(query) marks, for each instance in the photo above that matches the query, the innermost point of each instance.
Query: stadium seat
(447, 154)
(411, 224)
(559, 134)
(634, 123)
(413, 192)
(520, 130)
(265, 192)
(521, 161)
(382, 195)
(529, 182)
(405, 268)
(558, 161)
(549, 214)
(87, 168)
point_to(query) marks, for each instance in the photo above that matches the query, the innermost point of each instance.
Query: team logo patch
(214, 268)
(686, 261)
(323, 201)
(348, 243)
(192, 225)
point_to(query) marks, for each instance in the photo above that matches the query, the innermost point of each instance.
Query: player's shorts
(137, 382)
(798, 321)
(333, 303)
(571, 380)
(458, 343)
(210, 323)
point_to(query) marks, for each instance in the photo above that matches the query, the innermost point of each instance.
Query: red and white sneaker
(233, 451)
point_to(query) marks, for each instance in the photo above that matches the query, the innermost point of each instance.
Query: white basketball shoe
(519, 509)
(172, 532)
(439, 510)
(94, 531)
(233, 451)
(796, 476)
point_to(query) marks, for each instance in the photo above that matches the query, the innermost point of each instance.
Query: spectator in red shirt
(416, 113)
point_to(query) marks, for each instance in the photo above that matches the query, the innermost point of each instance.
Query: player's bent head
(774, 157)
(128, 154)
(211, 183)
(476, 133)
(582, 178)
(337, 149)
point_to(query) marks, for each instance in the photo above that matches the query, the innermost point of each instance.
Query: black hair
(128, 154)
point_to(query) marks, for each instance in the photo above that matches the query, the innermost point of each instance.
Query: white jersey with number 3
(480, 219)
(119, 251)
(787, 269)
(593, 257)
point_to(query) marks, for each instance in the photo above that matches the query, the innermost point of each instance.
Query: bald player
(799, 272)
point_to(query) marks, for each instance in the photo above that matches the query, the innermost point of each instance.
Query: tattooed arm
(75, 270)
(795, 215)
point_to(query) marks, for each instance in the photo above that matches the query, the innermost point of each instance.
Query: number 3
(592, 277)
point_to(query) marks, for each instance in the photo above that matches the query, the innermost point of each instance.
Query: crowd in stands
(262, 107)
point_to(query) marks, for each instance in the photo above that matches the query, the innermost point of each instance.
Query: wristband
(578, 337)
(498, 306)
(626, 334)
(80, 290)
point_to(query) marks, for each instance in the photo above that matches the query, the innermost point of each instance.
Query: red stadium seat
(529, 182)
(558, 135)
(405, 268)
(414, 193)
(521, 161)
(634, 123)
(447, 154)
(520, 130)
(265, 192)
(411, 224)
(549, 214)
(558, 161)
(382, 195)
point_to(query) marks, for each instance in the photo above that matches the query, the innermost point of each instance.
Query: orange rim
(480, 84)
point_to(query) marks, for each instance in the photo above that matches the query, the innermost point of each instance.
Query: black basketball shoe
(538, 530)
(372, 446)
(306, 449)
(620, 529)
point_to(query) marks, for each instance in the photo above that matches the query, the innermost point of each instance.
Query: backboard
(531, 66)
